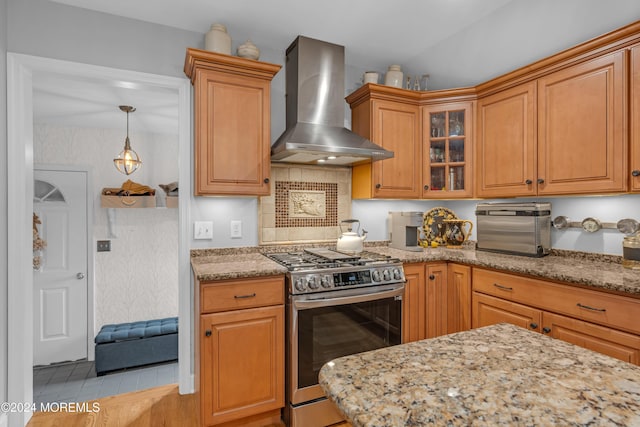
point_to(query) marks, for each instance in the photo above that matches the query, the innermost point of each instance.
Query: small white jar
(370, 77)
(248, 50)
(394, 76)
(217, 39)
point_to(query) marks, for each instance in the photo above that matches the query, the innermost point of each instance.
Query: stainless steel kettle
(350, 241)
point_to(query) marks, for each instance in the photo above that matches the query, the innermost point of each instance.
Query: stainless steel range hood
(315, 106)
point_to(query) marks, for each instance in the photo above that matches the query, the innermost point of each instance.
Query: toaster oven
(514, 228)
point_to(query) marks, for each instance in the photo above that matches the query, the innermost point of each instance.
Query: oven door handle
(326, 302)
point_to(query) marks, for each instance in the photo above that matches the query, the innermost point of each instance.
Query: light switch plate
(236, 229)
(203, 230)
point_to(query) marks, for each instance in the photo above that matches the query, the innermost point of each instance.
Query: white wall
(3, 206)
(132, 281)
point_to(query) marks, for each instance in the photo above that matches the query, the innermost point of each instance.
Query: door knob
(80, 276)
(635, 173)
(540, 181)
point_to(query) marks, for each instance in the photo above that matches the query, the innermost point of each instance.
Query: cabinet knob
(431, 277)
(378, 185)
(635, 172)
(546, 330)
(266, 180)
(540, 181)
(426, 187)
(533, 325)
(528, 182)
(207, 333)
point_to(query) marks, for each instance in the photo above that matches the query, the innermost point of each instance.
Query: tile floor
(77, 381)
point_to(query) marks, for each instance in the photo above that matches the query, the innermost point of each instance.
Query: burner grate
(323, 258)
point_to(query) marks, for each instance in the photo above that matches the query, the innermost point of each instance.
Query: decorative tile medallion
(306, 204)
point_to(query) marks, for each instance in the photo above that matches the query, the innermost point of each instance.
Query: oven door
(333, 324)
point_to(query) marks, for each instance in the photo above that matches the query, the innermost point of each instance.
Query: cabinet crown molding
(203, 59)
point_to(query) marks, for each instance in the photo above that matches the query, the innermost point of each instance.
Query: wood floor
(159, 406)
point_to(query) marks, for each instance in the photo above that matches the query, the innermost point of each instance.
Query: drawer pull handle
(533, 325)
(504, 288)
(207, 333)
(244, 296)
(546, 330)
(586, 307)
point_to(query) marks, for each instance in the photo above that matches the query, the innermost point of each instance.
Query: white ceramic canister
(217, 39)
(248, 50)
(394, 76)
(370, 77)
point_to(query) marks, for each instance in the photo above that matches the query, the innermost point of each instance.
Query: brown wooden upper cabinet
(446, 150)
(506, 143)
(232, 123)
(634, 101)
(389, 117)
(563, 133)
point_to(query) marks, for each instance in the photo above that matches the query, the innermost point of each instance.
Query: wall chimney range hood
(315, 107)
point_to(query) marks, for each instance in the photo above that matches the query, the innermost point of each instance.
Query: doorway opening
(22, 72)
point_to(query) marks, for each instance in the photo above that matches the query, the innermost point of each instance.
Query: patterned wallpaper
(306, 204)
(131, 282)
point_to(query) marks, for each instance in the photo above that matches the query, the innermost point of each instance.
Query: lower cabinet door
(436, 299)
(489, 310)
(414, 301)
(242, 363)
(611, 342)
(458, 298)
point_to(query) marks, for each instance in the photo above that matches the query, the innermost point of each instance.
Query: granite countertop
(601, 272)
(496, 375)
(234, 265)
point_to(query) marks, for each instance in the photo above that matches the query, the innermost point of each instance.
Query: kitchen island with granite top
(496, 375)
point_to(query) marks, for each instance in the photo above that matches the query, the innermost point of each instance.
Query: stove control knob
(325, 282)
(376, 276)
(301, 284)
(396, 274)
(313, 283)
(386, 275)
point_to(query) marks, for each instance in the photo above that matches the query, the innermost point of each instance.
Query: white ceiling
(369, 28)
(479, 39)
(63, 101)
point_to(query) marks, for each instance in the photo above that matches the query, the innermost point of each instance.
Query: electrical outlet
(104, 245)
(236, 229)
(203, 230)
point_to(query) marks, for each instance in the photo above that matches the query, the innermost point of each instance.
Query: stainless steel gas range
(337, 304)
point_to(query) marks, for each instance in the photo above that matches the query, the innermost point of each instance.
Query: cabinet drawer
(594, 306)
(225, 295)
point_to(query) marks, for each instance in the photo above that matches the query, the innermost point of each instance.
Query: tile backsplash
(306, 204)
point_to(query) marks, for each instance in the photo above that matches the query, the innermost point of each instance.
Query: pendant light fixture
(127, 161)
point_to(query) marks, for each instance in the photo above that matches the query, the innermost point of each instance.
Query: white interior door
(60, 285)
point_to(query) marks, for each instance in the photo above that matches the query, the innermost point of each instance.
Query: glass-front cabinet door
(447, 151)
